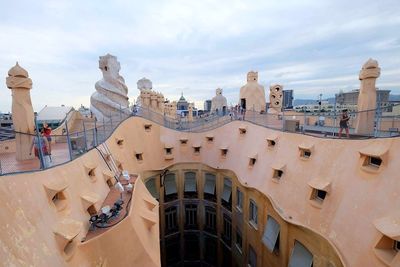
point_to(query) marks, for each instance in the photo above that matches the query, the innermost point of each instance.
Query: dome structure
(182, 104)
(18, 71)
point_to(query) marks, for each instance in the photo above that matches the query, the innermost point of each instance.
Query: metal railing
(86, 134)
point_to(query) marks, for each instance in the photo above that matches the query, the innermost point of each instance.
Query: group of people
(41, 146)
(237, 112)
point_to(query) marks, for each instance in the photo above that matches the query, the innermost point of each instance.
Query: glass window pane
(252, 257)
(271, 233)
(151, 186)
(239, 198)
(300, 257)
(253, 211)
(226, 194)
(209, 186)
(190, 182)
(170, 184)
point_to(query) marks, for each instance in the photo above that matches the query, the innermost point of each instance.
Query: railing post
(84, 134)
(334, 119)
(305, 119)
(111, 121)
(68, 140)
(120, 113)
(95, 133)
(104, 129)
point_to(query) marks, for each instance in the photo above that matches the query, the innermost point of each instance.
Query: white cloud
(197, 46)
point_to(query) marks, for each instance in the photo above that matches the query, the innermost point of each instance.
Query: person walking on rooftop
(344, 119)
(47, 134)
(41, 147)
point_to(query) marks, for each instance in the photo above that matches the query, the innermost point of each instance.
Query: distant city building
(53, 116)
(351, 98)
(287, 98)
(182, 103)
(6, 126)
(207, 105)
(6, 120)
(325, 107)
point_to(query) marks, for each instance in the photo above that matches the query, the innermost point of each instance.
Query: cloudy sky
(196, 46)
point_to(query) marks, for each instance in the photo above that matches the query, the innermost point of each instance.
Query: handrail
(92, 137)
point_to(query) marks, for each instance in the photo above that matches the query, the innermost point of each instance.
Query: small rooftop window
(388, 246)
(305, 151)
(373, 157)
(374, 161)
(89, 201)
(119, 140)
(277, 174)
(224, 152)
(396, 245)
(252, 160)
(139, 156)
(371, 162)
(59, 200)
(271, 143)
(210, 138)
(183, 140)
(147, 127)
(168, 149)
(119, 165)
(278, 169)
(109, 178)
(242, 130)
(318, 195)
(65, 233)
(56, 193)
(320, 189)
(90, 170)
(196, 148)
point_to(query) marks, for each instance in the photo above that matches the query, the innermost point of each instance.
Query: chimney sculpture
(22, 111)
(367, 97)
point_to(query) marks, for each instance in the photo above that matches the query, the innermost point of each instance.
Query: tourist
(37, 143)
(344, 123)
(47, 133)
(134, 110)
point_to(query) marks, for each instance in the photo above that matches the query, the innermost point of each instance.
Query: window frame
(253, 214)
(239, 199)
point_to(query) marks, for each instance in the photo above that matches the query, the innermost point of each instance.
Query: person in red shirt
(47, 134)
